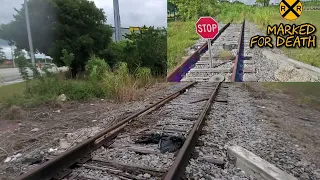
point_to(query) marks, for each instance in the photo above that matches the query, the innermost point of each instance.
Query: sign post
(210, 55)
(208, 29)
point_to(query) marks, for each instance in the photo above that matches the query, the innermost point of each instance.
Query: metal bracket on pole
(210, 55)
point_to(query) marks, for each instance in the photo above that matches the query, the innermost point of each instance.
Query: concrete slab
(256, 166)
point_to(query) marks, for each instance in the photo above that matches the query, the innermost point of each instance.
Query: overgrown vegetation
(261, 14)
(101, 82)
(77, 37)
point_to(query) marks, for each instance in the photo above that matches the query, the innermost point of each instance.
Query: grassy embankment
(11, 90)
(180, 36)
(261, 16)
(307, 55)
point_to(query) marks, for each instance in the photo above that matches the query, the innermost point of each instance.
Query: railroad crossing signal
(207, 27)
(290, 9)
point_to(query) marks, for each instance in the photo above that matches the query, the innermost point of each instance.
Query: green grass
(180, 36)
(305, 92)
(306, 55)
(11, 90)
(264, 16)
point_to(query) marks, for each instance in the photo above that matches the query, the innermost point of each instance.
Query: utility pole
(29, 33)
(117, 23)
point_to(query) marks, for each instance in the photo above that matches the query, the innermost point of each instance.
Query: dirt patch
(287, 114)
(39, 132)
(14, 113)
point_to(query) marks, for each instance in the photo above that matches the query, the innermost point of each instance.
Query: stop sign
(207, 27)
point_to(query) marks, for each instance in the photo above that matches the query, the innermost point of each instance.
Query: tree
(67, 58)
(192, 9)
(172, 9)
(2, 55)
(265, 3)
(75, 25)
(238, 2)
(148, 48)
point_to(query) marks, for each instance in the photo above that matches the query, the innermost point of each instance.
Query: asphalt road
(11, 75)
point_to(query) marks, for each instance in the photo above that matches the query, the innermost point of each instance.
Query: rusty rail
(60, 165)
(182, 159)
(237, 72)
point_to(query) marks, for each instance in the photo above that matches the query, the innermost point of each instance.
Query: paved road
(11, 75)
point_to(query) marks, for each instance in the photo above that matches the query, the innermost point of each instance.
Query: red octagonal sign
(207, 27)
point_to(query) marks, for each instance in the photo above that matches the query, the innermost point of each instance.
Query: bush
(143, 76)
(120, 85)
(96, 68)
(67, 58)
(147, 48)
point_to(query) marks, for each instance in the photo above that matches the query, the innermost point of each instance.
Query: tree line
(63, 27)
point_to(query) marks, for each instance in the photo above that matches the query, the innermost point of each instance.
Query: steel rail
(181, 161)
(237, 72)
(181, 70)
(64, 161)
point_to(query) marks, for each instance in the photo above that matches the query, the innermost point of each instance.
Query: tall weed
(143, 76)
(119, 84)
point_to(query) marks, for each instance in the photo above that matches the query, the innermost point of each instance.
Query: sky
(132, 13)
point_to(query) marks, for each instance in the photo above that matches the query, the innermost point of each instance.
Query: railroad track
(231, 58)
(154, 143)
(228, 62)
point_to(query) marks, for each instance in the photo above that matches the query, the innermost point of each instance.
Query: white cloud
(137, 12)
(7, 51)
(132, 12)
